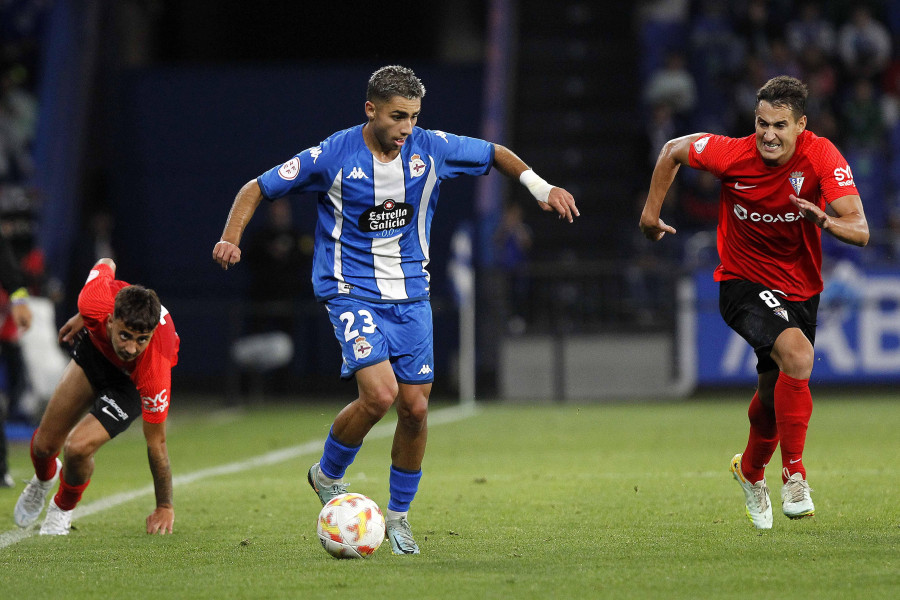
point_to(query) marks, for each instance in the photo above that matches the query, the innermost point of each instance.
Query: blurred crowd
(703, 60)
(21, 27)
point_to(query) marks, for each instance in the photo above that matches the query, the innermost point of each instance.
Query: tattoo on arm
(162, 475)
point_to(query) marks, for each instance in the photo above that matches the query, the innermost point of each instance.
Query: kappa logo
(425, 370)
(357, 173)
(441, 135)
(290, 169)
(315, 152)
(416, 166)
(700, 144)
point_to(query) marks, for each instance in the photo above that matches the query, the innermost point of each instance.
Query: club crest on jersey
(796, 180)
(390, 215)
(416, 166)
(361, 348)
(289, 170)
(781, 312)
(700, 144)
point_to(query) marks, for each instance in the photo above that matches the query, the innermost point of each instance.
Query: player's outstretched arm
(674, 153)
(162, 519)
(226, 251)
(550, 198)
(848, 224)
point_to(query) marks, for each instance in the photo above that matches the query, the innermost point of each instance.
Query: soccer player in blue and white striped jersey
(378, 188)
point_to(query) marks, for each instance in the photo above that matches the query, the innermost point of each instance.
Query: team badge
(796, 180)
(289, 170)
(361, 348)
(416, 166)
(700, 144)
(781, 312)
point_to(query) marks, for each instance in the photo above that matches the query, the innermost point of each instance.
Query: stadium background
(151, 114)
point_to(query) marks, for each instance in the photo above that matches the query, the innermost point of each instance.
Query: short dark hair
(785, 91)
(394, 80)
(138, 308)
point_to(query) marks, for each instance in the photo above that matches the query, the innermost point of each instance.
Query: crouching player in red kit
(776, 188)
(124, 346)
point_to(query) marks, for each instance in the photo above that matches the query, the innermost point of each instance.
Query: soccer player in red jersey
(781, 187)
(124, 346)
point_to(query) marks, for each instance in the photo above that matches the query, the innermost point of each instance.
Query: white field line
(382, 430)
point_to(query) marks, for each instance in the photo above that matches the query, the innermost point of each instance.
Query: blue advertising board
(857, 336)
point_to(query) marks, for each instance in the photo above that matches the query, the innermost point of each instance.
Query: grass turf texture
(618, 501)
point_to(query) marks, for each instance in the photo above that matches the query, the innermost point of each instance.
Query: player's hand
(655, 230)
(810, 211)
(561, 202)
(21, 315)
(161, 520)
(73, 326)
(226, 254)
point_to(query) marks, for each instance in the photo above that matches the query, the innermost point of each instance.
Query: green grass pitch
(625, 500)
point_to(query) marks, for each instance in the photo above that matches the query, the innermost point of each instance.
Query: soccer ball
(351, 526)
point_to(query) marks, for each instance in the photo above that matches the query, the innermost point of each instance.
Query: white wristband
(539, 188)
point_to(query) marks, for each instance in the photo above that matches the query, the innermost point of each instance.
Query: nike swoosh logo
(795, 461)
(109, 412)
(738, 186)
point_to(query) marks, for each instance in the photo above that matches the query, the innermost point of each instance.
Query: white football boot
(796, 502)
(31, 501)
(759, 509)
(57, 521)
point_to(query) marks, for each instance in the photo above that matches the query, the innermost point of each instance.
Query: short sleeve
(304, 172)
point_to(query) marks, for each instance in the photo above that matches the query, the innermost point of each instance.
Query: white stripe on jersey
(389, 183)
(334, 194)
(423, 216)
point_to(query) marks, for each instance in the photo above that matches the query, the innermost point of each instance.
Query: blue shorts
(372, 332)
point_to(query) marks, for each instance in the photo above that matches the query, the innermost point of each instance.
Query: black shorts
(118, 401)
(760, 315)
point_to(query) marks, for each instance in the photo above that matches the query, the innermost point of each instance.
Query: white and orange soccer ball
(351, 526)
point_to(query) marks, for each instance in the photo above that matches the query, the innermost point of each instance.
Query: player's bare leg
(70, 400)
(411, 434)
(794, 355)
(82, 444)
(80, 447)
(407, 453)
(378, 391)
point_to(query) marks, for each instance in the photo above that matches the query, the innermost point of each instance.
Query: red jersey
(151, 371)
(761, 235)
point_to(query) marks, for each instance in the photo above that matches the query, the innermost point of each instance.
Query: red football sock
(44, 468)
(793, 408)
(762, 440)
(69, 495)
